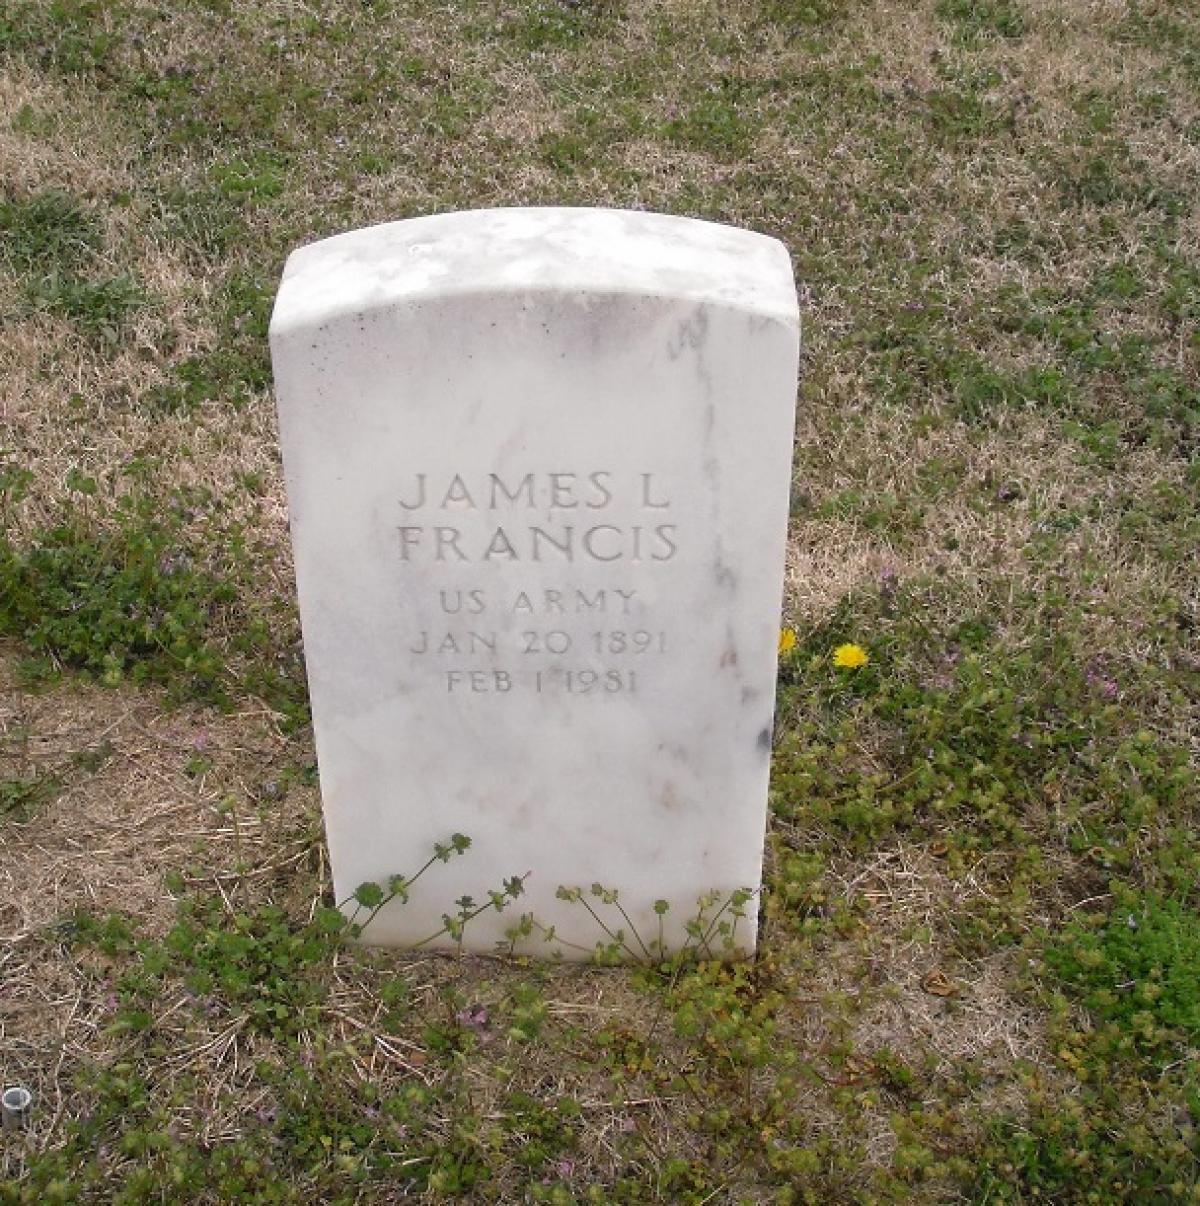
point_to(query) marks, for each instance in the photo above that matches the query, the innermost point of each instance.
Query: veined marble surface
(538, 465)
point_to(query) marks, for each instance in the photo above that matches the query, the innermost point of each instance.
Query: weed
(975, 738)
(544, 1133)
(257, 962)
(374, 898)
(1068, 1148)
(711, 932)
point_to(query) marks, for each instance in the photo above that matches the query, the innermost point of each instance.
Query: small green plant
(374, 897)
(721, 1009)
(711, 931)
(1137, 970)
(20, 798)
(258, 961)
(545, 1131)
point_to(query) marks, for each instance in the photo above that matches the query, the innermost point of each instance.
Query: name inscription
(587, 493)
(482, 648)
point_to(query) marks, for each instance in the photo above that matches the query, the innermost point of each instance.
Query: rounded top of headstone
(604, 251)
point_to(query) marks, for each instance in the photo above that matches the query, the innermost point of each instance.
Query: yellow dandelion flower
(850, 657)
(787, 641)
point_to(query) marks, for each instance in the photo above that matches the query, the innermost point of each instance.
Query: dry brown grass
(107, 842)
(70, 404)
(83, 147)
(110, 837)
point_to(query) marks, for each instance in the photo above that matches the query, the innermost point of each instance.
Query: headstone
(538, 465)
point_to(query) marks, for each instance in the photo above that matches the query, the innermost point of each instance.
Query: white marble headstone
(538, 465)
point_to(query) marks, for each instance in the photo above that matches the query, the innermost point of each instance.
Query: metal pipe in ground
(16, 1105)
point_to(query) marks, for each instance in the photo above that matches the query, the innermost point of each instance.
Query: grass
(46, 231)
(979, 955)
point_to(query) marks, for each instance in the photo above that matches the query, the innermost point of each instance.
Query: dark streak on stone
(692, 333)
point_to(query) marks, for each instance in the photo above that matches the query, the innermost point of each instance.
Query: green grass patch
(540, 25)
(976, 21)
(20, 798)
(237, 369)
(201, 219)
(126, 602)
(964, 111)
(51, 240)
(51, 231)
(101, 309)
(1137, 970)
(71, 36)
(1128, 1120)
(1090, 1147)
(798, 16)
(717, 120)
(145, 600)
(976, 744)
